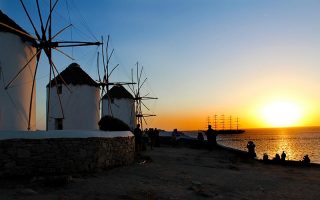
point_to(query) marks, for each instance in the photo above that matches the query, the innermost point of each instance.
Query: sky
(201, 57)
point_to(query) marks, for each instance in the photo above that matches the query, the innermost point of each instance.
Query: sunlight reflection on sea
(295, 142)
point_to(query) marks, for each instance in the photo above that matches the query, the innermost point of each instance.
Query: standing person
(200, 140)
(151, 134)
(200, 136)
(283, 156)
(157, 138)
(138, 137)
(174, 137)
(211, 137)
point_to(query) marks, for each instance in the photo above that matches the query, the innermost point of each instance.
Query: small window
(59, 89)
(58, 123)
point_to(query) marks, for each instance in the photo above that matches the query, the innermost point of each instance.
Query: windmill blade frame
(138, 98)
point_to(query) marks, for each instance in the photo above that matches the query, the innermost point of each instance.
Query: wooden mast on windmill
(44, 43)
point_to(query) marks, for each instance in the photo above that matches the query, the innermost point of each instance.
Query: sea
(295, 142)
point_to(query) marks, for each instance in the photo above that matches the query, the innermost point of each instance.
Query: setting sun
(281, 114)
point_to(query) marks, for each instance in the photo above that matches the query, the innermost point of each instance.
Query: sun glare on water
(281, 114)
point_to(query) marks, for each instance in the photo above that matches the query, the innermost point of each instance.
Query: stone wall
(55, 156)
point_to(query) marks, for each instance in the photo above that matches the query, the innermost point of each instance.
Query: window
(58, 124)
(59, 89)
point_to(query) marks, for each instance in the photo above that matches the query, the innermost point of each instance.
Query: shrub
(108, 123)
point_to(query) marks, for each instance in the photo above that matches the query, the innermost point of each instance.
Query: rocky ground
(175, 173)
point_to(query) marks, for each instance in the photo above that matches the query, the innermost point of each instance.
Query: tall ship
(226, 125)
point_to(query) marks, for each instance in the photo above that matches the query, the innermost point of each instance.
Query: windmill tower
(120, 103)
(17, 56)
(75, 102)
(139, 99)
(116, 102)
(27, 62)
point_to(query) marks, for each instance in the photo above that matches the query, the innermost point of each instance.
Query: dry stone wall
(55, 156)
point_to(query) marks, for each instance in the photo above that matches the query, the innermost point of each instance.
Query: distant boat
(224, 124)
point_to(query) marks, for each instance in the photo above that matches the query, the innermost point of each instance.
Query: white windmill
(120, 103)
(79, 108)
(20, 66)
(17, 55)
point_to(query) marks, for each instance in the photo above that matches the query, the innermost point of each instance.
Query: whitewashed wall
(15, 102)
(80, 107)
(122, 109)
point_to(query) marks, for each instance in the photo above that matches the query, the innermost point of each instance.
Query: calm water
(296, 142)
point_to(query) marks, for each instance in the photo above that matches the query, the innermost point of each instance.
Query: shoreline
(193, 143)
(177, 173)
(296, 163)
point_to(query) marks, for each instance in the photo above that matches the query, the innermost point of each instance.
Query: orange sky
(250, 116)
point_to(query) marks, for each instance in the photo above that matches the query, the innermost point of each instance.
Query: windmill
(44, 42)
(104, 75)
(80, 107)
(139, 98)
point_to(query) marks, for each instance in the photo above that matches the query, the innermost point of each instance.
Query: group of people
(283, 156)
(149, 136)
(174, 135)
(154, 138)
(210, 134)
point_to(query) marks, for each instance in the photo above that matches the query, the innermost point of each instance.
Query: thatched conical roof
(74, 75)
(118, 92)
(9, 22)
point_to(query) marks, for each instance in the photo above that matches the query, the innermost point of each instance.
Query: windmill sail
(139, 114)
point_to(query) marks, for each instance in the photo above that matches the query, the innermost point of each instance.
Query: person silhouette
(211, 137)
(306, 159)
(277, 158)
(138, 138)
(157, 138)
(251, 149)
(265, 157)
(174, 137)
(200, 137)
(283, 156)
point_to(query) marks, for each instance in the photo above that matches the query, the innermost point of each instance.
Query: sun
(281, 114)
